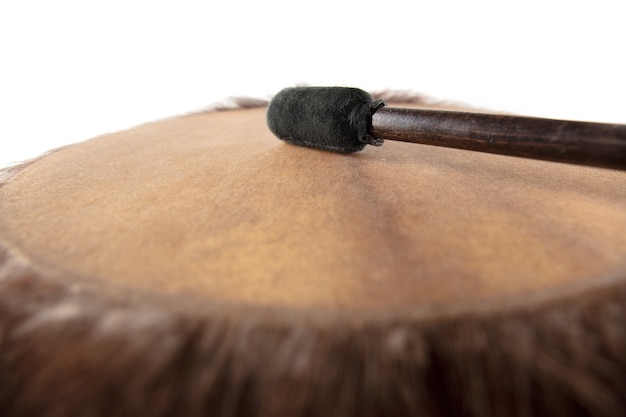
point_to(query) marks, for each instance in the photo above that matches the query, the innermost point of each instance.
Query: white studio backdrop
(72, 70)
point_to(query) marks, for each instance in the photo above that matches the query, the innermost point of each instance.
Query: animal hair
(79, 351)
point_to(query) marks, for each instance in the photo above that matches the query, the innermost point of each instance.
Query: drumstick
(347, 119)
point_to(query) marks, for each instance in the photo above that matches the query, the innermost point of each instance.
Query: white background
(71, 70)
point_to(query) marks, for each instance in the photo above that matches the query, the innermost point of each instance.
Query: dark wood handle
(595, 144)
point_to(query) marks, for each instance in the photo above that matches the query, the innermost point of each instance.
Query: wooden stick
(595, 144)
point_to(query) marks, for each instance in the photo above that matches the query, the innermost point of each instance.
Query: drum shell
(420, 280)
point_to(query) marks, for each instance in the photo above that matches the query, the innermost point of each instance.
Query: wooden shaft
(584, 143)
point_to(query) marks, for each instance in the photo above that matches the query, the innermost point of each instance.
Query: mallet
(347, 119)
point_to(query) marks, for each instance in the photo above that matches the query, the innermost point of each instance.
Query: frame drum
(199, 266)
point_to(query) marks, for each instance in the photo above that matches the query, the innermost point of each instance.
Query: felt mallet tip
(331, 118)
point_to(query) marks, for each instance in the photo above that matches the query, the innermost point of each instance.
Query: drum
(198, 266)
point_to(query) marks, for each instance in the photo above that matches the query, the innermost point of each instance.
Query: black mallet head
(330, 118)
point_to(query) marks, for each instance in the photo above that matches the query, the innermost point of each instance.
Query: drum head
(198, 265)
